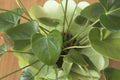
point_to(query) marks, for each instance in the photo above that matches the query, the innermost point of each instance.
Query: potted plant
(64, 40)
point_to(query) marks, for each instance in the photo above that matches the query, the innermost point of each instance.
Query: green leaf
(22, 45)
(9, 19)
(22, 34)
(49, 21)
(105, 42)
(111, 19)
(97, 59)
(67, 65)
(47, 48)
(93, 12)
(37, 12)
(23, 31)
(3, 49)
(27, 75)
(81, 20)
(76, 57)
(112, 74)
(84, 74)
(110, 4)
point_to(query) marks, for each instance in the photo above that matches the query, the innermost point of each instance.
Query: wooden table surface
(9, 62)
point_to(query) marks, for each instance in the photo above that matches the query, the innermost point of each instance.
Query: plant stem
(21, 52)
(9, 74)
(94, 23)
(39, 70)
(56, 72)
(75, 47)
(102, 72)
(15, 13)
(63, 10)
(89, 72)
(22, 6)
(81, 33)
(43, 29)
(72, 17)
(65, 13)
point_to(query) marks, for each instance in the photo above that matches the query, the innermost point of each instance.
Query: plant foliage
(69, 42)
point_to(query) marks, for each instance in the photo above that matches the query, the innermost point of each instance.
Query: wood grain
(9, 62)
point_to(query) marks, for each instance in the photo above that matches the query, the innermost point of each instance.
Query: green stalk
(65, 13)
(21, 52)
(76, 47)
(63, 10)
(103, 75)
(9, 74)
(44, 28)
(88, 29)
(19, 2)
(56, 72)
(72, 16)
(82, 33)
(15, 13)
(89, 72)
(39, 70)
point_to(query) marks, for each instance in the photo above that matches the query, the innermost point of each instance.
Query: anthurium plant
(64, 40)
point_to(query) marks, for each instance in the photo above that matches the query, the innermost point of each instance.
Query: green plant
(64, 41)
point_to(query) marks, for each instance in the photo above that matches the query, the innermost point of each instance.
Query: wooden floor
(9, 62)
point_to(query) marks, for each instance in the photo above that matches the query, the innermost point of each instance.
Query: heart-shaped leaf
(83, 74)
(49, 21)
(22, 34)
(76, 58)
(10, 19)
(105, 42)
(93, 12)
(27, 75)
(81, 20)
(110, 4)
(111, 19)
(46, 18)
(112, 74)
(97, 59)
(47, 48)
(3, 49)
(23, 31)
(67, 65)
(23, 45)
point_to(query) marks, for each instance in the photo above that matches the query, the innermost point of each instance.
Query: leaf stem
(44, 28)
(9, 74)
(19, 2)
(89, 72)
(112, 11)
(72, 17)
(102, 72)
(15, 13)
(81, 33)
(65, 17)
(94, 23)
(76, 47)
(21, 52)
(63, 10)
(56, 71)
(39, 70)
